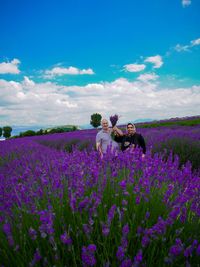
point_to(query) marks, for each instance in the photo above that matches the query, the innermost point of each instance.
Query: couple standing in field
(128, 140)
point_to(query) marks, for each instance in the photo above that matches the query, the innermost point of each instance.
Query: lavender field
(61, 205)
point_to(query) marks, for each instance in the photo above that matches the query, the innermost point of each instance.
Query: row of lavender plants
(183, 141)
(75, 209)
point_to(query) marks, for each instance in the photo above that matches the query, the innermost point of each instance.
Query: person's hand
(115, 128)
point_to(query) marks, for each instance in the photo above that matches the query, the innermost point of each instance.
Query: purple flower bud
(138, 257)
(87, 255)
(188, 251)
(32, 233)
(105, 230)
(66, 239)
(37, 256)
(145, 241)
(92, 248)
(111, 213)
(123, 184)
(198, 250)
(125, 229)
(120, 253)
(147, 215)
(126, 263)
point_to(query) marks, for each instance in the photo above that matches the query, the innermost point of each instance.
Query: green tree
(74, 128)
(7, 131)
(95, 120)
(40, 132)
(0, 131)
(28, 133)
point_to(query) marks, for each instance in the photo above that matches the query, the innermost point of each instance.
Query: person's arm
(143, 145)
(98, 145)
(99, 149)
(117, 131)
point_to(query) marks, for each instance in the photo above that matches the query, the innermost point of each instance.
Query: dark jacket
(128, 140)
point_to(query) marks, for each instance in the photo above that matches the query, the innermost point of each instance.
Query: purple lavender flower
(111, 213)
(125, 230)
(124, 202)
(105, 229)
(66, 239)
(137, 200)
(123, 184)
(147, 215)
(176, 249)
(46, 218)
(32, 233)
(36, 258)
(198, 250)
(114, 119)
(87, 255)
(120, 253)
(126, 263)
(138, 257)
(7, 228)
(145, 241)
(188, 251)
(37, 255)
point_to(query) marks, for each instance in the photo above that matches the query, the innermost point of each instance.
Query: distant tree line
(43, 132)
(5, 131)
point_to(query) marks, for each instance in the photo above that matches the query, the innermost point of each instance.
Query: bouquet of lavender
(114, 119)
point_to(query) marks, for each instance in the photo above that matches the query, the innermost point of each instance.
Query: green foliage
(28, 133)
(7, 131)
(187, 150)
(56, 130)
(1, 131)
(74, 128)
(95, 120)
(40, 132)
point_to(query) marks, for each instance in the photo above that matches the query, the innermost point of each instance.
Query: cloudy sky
(62, 60)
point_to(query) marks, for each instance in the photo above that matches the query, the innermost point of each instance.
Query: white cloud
(156, 60)
(148, 77)
(59, 71)
(186, 3)
(181, 48)
(28, 102)
(195, 42)
(134, 67)
(10, 67)
(186, 48)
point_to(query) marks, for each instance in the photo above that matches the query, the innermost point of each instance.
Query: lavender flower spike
(114, 119)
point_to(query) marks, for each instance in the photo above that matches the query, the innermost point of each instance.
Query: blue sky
(61, 61)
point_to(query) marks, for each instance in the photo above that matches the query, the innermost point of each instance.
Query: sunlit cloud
(186, 48)
(148, 77)
(60, 71)
(134, 67)
(155, 60)
(10, 67)
(28, 102)
(186, 3)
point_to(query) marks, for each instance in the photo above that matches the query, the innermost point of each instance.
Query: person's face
(130, 129)
(104, 125)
